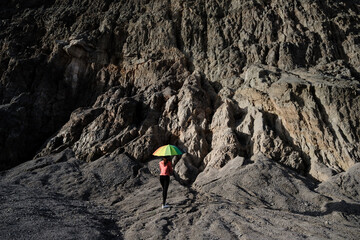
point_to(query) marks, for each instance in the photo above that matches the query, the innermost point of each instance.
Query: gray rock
(29, 213)
(263, 183)
(263, 96)
(292, 118)
(153, 166)
(90, 53)
(184, 170)
(343, 186)
(63, 173)
(270, 202)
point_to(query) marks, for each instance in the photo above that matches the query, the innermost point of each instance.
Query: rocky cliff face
(249, 89)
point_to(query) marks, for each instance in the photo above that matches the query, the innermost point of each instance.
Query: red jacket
(165, 170)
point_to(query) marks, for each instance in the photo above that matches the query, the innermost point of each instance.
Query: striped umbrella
(167, 150)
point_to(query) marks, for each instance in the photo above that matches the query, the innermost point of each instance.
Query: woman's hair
(165, 160)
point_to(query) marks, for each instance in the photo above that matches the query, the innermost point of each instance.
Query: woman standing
(165, 172)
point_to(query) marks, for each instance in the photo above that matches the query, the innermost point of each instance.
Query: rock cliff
(257, 93)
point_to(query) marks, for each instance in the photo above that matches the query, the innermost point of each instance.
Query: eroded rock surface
(242, 200)
(82, 50)
(29, 213)
(263, 96)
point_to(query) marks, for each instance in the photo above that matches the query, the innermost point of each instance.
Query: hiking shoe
(165, 206)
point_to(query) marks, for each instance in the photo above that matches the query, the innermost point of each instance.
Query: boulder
(184, 170)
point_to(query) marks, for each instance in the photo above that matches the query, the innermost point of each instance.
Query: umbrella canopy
(167, 150)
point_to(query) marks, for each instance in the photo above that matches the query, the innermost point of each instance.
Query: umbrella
(167, 150)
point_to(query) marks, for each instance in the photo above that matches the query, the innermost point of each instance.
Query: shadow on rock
(342, 207)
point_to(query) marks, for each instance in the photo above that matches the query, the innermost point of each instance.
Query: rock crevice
(263, 97)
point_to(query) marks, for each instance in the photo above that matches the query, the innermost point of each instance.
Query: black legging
(164, 180)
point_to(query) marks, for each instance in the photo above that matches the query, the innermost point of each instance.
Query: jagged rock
(298, 104)
(70, 132)
(186, 115)
(248, 89)
(89, 53)
(143, 147)
(225, 145)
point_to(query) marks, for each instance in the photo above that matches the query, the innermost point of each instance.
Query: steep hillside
(257, 93)
(58, 56)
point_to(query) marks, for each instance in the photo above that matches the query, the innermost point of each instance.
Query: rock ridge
(262, 96)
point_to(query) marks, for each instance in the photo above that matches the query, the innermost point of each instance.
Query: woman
(165, 172)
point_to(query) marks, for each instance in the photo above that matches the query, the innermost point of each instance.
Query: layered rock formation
(265, 90)
(79, 53)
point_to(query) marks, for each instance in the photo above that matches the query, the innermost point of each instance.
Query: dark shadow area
(244, 139)
(342, 207)
(110, 229)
